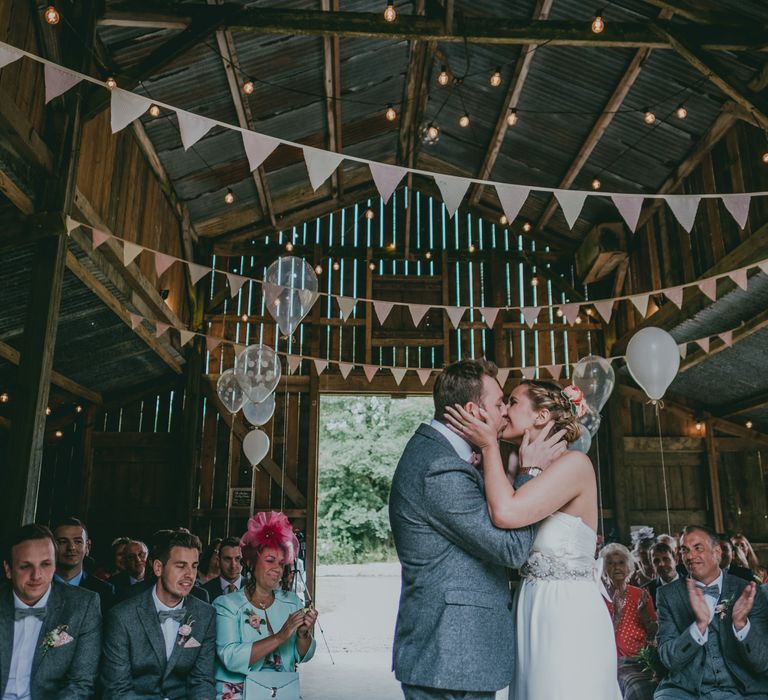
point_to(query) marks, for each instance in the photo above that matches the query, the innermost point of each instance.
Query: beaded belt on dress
(543, 568)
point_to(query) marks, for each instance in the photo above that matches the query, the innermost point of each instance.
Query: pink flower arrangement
(575, 397)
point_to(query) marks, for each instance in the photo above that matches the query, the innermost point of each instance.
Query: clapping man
(713, 628)
(161, 643)
(50, 633)
(230, 578)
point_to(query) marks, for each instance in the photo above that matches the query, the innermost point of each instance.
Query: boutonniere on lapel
(254, 620)
(57, 637)
(724, 606)
(186, 639)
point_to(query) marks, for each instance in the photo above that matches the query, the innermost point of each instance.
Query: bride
(565, 640)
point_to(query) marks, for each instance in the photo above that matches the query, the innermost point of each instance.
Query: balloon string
(285, 446)
(663, 469)
(600, 486)
(230, 462)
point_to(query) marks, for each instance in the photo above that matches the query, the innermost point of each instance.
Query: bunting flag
(58, 81)
(682, 348)
(709, 288)
(135, 320)
(452, 189)
(502, 376)
(703, 343)
(98, 237)
(417, 312)
(739, 277)
(346, 305)
(571, 202)
(320, 164)
(423, 375)
(512, 199)
(130, 252)
(386, 178)
(684, 208)
(192, 127)
(293, 363)
(70, 224)
(530, 314)
(197, 272)
(570, 312)
(763, 266)
(382, 309)
(738, 207)
(455, 313)
(211, 343)
(675, 295)
(641, 303)
(125, 107)
(489, 314)
(528, 373)
(398, 373)
(345, 368)
(370, 371)
(258, 148)
(629, 207)
(320, 365)
(163, 262)
(160, 328)
(605, 309)
(555, 371)
(727, 338)
(235, 282)
(237, 349)
(8, 55)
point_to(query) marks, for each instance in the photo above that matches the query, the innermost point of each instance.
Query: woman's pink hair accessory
(575, 396)
(271, 530)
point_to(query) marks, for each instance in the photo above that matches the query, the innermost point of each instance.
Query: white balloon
(230, 392)
(583, 443)
(256, 446)
(653, 360)
(258, 370)
(259, 413)
(595, 377)
(290, 290)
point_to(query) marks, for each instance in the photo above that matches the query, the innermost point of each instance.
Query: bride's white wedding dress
(565, 640)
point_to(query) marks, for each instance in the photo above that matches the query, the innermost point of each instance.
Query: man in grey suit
(50, 633)
(713, 628)
(161, 642)
(455, 633)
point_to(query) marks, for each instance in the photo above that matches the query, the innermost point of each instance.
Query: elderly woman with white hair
(634, 621)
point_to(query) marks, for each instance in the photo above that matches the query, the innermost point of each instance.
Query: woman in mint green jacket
(260, 630)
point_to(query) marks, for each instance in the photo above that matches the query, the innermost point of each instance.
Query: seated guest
(135, 566)
(161, 643)
(644, 569)
(727, 562)
(230, 578)
(260, 630)
(663, 560)
(209, 562)
(634, 621)
(51, 632)
(713, 628)
(741, 543)
(118, 554)
(674, 543)
(72, 546)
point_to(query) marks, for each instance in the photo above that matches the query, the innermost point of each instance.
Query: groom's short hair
(460, 383)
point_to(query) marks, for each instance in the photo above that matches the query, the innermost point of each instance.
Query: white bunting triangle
(8, 55)
(727, 338)
(738, 207)
(629, 207)
(237, 349)
(571, 202)
(346, 305)
(417, 312)
(320, 365)
(675, 295)
(345, 368)
(571, 312)
(192, 127)
(197, 272)
(382, 309)
(163, 262)
(58, 81)
(530, 314)
(211, 343)
(135, 320)
(235, 282)
(98, 237)
(763, 266)
(386, 178)
(258, 148)
(130, 252)
(605, 309)
(739, 277)
(398, 373)
(502, 376)
(455, 313)
(528, 373)
(423, 375)
(370, 371)
(489, 314)
(709, 288)
(124, 107)
(70, 224)
(512, 199)
(160, 328)
(684, 207)
(641, 303)
(320, 164)
(293, 363)
(682, 348)
(452, 190)
(703, 343)
(555, 371)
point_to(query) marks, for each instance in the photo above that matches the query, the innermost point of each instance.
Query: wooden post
(86, 472)
(615, 411)
(189, 467)
(714, 477)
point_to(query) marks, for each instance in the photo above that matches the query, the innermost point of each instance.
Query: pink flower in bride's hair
(575, 397)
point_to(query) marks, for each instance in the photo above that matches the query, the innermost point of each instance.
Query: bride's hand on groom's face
(475, 429)
(544, 449)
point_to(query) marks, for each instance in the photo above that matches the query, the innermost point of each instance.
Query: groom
(455, 633)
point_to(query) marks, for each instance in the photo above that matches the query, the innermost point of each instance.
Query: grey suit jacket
(455, 625)
(68, 671)
(685, 659)
(134, 664)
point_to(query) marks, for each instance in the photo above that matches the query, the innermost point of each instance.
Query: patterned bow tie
(22, 613)
(713, 590)
(177, 615)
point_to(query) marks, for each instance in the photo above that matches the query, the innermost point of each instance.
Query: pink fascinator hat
(269, 530)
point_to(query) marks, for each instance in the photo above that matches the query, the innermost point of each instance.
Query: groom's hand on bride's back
(544, 449)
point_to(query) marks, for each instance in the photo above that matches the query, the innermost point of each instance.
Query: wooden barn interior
(104, 415)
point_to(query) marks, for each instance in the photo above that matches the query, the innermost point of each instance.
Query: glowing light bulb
(4, 397)
(527, 226)
(598, 24)
(559, 313)
(111, 83)
(512, 117)
(248, 87)
(391, 246)
(748, 424)
(764, 157)
(229, 197)
(433, 132)
(681, 112)
(464, 121)
(596, 184)
(578, 319)
(471, 248)
(390, 114)
(443, 78)
(51, 15)
(495, 79)
(289, 246)
(699, 427)
(336, 266)
(428, 255)
(59, 434)
(78, 408)
(244, 318)
(154, 111)
(534, 281)
(503, 220)
(371, 266)
(48, 411)
(369, 214)
(649, 117)
(590, 312)
(390, 15)
(319, 269)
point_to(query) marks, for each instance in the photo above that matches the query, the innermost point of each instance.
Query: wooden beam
(522, 67)
(17, 131)
(17, 196)
(701, 15)
(621, 489)
(752, 403)
(332, 89)
(713, 461)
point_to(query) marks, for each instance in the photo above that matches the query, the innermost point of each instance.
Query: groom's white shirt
(462, 447)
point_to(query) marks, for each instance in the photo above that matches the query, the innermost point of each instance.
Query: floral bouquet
(649, 657)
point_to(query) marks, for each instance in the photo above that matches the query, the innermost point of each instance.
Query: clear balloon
(653, 360)
(258, 370)
(259, 413)
(256, 446)
(582, 444)
(230, 392)
(290, 290)
(590, 422)
(595, 377)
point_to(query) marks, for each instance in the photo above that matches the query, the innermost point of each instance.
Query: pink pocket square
(191, 643)
(61, 639)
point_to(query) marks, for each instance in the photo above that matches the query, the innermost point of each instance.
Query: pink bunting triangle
(455, 313)
(235, 282)
(320, 164)
(130, 252)
(417, 312)
(530, 314)
(555, 371)
(185, 336)
(605, 309)
(489, 315)
(98, 237)
(703, 343)
(211, 343)
(571, 202)
(738, 207)
(528, 372)
(502, 375)
(727, 338)
(709, 288)
(382, 309)
(675, 295)
(763, 266)
(370, 371)
(197, 272)
(452, 190)
(125, 107)
(345, 368)
(320, 365)
(346, 305)
(739, 277)
(570, 312)
(641, 303)
(258, 147)
(398, 373)
(386, 178)
(135, 320)
(163, 262)
(682, 348)
(424, 375)
(684, 207)
(58, 81)
(512, 199)
(629, 207)
(192, 127)
(293, 363)
(160, 328)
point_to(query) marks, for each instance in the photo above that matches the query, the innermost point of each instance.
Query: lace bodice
(564, 549)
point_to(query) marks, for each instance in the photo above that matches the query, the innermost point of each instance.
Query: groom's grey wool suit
(455, 633)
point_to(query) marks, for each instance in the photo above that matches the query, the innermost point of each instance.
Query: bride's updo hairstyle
(544, 394)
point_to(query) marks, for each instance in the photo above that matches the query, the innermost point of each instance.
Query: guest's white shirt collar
(225, 584)
(462, 447)
(18, 603)
(664, 583)
(159, 605)
(74, 581)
